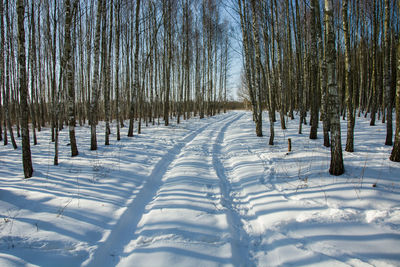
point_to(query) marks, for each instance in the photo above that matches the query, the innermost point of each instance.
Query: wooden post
(289, 144)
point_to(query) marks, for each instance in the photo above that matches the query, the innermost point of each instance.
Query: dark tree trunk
(26, 149)
(395, 156)
(387, 79)
(336, 166)
(68, 64)
(314, 71)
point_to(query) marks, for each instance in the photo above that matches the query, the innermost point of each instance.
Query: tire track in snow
(239, 238)
(126, 225)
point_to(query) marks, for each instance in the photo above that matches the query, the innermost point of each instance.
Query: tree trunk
(258, 68)
(336, 166)
(279, 71)
(348, 80)
(117, 44)
(374, 83)
(32, 62)
(314, 72)
(107, 83)
(299, 72)
(2, 87)
(322, 92)
(395, 156)
(167, 57)
(88, 65)
(95, 83)
(247, 63)
(53, 44)
(387, 78)
(26, 149)
(8, 73)
(68, 64)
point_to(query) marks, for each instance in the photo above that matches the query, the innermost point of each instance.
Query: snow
(202, 193)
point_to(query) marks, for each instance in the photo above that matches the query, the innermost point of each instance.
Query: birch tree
(336, 166)
(95, 82)
(107, 78)
(348, 80)
(167, 58)
(257, 69)
(68, 63)
(374, 82)
(314, 71)
(249, 70)
(395, 155)
(7, 97)
(3, 109)
(26, 149)
(387, 78)
(117, 51)
(136, 82)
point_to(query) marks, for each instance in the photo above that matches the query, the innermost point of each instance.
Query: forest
(333, 60)
(69, 62)
(199, 133)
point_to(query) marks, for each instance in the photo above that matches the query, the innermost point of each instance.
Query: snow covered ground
(203, 193)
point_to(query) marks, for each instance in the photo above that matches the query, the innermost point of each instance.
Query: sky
(236, 63)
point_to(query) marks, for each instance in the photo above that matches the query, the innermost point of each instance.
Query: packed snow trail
(183, 211)
(240, 239)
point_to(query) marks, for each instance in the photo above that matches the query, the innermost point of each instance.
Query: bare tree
(348, 80)
(33, 69)
(387, 78)
(107, 77)
(167, 20)
(299, 72)
(117, 51)
(248, 65)
(26, 149)
(68, 63)
(336, 167)
(395, 156)
(136, 81)
(257, 69)
(314, 70)
(2, 87)
(95, 83)
(7, 85)
(374, 93)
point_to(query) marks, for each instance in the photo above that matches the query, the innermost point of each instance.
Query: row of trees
(79, 61)
(339, 62)
(86, 61)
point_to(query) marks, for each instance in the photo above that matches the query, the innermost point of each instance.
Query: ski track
(239, 238)
(121, 233)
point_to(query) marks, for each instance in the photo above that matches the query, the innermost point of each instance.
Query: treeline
(70, 62)
(328, 58)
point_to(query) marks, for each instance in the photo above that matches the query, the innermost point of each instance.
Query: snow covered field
(203, 193)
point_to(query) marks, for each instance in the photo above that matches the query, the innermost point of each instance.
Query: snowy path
(202, 193)
(184, 210)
